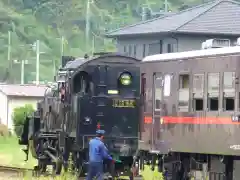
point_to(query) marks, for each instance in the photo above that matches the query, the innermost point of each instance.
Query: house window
(125, 49)
(170, 48)
(155, 48)
(130, 50)
(144, 50)
(135, 50)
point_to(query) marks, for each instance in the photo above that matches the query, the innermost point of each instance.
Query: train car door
(161, 89)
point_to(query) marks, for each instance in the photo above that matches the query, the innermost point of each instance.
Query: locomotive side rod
(54, 158)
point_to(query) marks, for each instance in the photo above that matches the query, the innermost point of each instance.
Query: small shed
(15, 95)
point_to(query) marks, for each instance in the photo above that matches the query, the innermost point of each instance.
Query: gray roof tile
(214, 17)
(223, 18)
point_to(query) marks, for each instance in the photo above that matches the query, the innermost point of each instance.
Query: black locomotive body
(95, 93)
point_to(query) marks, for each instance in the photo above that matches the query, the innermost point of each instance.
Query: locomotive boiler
(191, 112)
(102, 92)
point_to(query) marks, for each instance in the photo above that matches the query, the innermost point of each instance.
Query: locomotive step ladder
(101, 96)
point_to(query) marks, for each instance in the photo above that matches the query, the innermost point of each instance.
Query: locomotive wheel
(42, 166)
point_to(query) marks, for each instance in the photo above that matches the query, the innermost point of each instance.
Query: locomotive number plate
(119, 103)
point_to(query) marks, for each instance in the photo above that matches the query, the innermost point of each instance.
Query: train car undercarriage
(187, 166)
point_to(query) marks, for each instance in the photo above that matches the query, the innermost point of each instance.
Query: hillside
(50, 20)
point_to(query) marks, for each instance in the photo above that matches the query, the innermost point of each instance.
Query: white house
(14, 95)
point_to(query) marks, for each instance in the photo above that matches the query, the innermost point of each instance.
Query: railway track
(13, 172)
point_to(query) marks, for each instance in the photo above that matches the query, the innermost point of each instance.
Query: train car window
(183, 94)
(198, 104)
(228, 79)
(213, 104)
(229, 104)
(158, 83)
(213, 91)
(183, 81)
(229, 91)
(198, 85)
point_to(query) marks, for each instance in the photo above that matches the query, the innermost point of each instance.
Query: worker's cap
(100, 132)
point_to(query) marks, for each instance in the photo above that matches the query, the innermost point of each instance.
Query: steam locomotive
(101, 92)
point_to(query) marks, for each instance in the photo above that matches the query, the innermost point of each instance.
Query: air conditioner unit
(238, 41)
(216, 43)
(204, 45)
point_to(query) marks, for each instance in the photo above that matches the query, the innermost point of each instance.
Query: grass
(12, 155)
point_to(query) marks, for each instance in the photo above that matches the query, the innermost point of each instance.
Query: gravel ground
(7, 175)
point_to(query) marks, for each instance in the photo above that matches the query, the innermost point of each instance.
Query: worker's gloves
(116, 161)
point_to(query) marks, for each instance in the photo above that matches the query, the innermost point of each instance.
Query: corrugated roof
(219, 17)
(23, 90)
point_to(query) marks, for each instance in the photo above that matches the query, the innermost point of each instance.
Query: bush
(19, 117)
(4, 130)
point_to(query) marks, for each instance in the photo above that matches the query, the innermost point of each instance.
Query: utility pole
(144, 13)
(9, 54)
(62, 46)
(93, 44)
(87, 30)
(22, 71)
(22, 63)
(37, 62)
(166, 6)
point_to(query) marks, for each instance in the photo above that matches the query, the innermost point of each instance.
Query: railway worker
(97, 153)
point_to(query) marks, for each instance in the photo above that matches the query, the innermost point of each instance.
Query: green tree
(19, 117)
(49, 20)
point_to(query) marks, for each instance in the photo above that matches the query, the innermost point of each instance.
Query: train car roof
(80, 61)
(192, 54)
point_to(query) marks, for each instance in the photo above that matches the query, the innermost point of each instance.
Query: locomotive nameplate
(124, 103)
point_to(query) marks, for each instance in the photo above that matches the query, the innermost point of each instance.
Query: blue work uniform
(97, 153)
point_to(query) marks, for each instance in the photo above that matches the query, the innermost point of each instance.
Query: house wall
(179, 43)
(19, 101)
(3, 109)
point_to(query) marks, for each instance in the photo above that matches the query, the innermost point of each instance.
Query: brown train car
(192, 112)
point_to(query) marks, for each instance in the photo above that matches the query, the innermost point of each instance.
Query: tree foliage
(19, 116)
(49, 20)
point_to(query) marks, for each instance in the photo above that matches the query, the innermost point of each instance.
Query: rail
(9, 172)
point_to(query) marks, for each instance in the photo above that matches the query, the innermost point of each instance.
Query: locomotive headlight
(125, 79)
